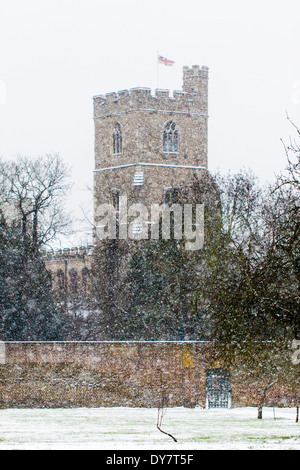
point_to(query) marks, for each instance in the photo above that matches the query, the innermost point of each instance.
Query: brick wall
(66, 374)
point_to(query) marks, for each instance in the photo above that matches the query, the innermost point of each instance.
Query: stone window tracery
(170, 138)
(117, 139)
(172, 195)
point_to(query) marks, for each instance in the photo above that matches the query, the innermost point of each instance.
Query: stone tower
(149, 145)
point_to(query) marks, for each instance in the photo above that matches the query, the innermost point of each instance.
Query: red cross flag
(163, 60)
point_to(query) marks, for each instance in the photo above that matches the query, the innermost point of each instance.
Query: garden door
(218, 390)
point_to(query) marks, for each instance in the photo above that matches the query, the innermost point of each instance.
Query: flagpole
(157, 69)
(163, 60)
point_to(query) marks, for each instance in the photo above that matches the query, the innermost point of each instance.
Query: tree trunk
(259, 411)
(297, 414)
(263, 398)
(24, 225)
(35, 228)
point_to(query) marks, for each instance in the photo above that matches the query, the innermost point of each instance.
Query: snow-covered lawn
(135, 428)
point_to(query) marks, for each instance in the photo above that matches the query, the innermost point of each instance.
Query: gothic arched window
(61, 283)
(85, 273)
(74, 281)
(170, 138)
(117, 139)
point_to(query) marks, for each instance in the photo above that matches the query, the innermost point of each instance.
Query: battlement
(191, 99)
(195, 79)
(69, 253)
(195, 70)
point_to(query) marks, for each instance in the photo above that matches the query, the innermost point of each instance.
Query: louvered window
(138, 179)
(137, 228)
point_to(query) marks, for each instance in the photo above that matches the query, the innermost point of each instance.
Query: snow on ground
(135, 428)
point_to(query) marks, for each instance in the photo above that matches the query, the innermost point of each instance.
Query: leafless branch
(160, 415)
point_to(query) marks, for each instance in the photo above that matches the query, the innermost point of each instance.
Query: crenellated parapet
(68, 253)
(192, 99)
(194, 78)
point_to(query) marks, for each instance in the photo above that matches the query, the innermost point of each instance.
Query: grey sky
(55, 55)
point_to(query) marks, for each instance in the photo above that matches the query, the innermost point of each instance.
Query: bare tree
(292, 151)
(162, 398)
(31, 214)
(32, 191)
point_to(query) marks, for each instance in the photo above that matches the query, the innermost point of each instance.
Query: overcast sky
(55, 55)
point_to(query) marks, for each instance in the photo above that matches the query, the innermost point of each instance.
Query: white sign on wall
(2, 352)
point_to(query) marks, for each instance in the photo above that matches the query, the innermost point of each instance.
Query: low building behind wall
(69, 270)
(93, 374)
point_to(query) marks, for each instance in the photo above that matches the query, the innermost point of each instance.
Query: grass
(135, 428)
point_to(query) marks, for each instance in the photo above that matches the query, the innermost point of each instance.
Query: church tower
(147, 146)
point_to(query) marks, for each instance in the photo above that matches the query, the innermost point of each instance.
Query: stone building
(147, 147)
(69, 270)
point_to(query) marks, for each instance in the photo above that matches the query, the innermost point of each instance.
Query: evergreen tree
(161, 302)
(30, 195)
(28, 310)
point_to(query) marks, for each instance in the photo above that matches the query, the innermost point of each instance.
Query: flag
(163, 60)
